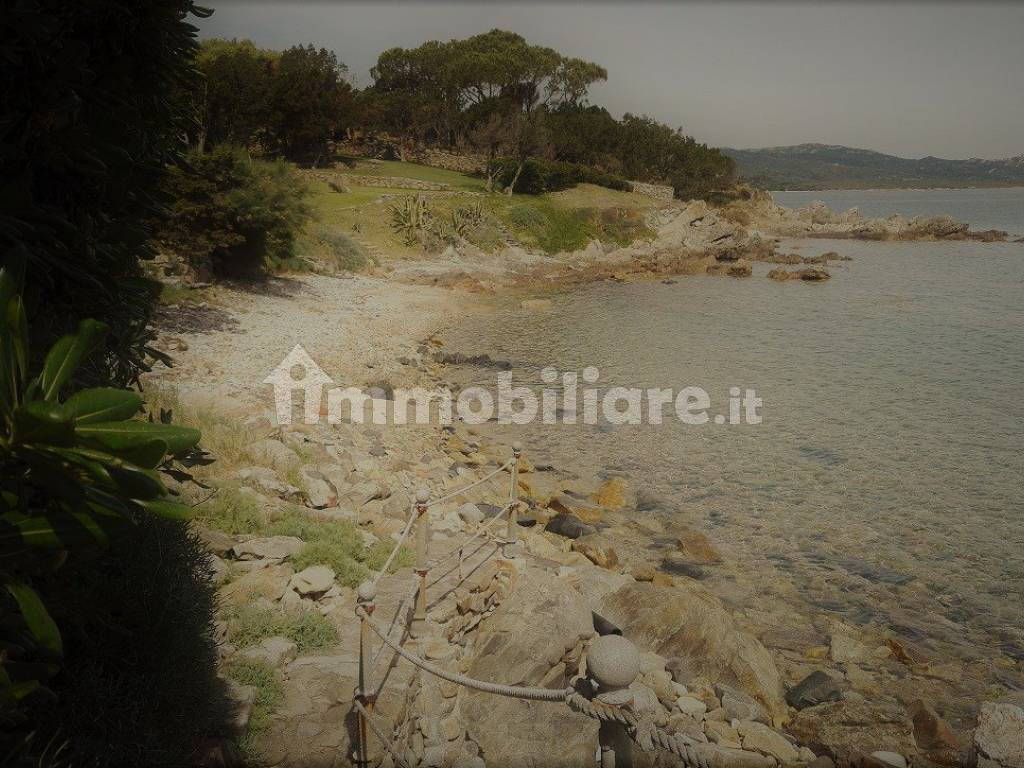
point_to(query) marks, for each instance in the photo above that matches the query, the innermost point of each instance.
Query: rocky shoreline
(690, 239)
(804, 694)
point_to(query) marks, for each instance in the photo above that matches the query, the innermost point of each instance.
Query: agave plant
(73, 471)
(458, 223)
(412, 218)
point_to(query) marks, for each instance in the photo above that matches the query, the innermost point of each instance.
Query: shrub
(621, 225)
(139, 684)
(552, 228)
(343, 253)
(232, 214)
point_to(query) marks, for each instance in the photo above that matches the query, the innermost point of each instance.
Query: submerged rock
(817, 688)
(686, 621)
(846, 728)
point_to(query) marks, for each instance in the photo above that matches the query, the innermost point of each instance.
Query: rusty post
(512, 533)
(419, 619)
(364, 695)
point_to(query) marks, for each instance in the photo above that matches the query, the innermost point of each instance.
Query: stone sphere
(422, 496)
(367, 591)
(613, 661)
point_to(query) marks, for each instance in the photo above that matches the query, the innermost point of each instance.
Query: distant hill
(825, 166)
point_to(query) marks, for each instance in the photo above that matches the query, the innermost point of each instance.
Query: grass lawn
(593, 196)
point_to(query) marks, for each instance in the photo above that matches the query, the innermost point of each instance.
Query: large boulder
(1000, 734)
(688, 622)
(843, 729)
(524, 643)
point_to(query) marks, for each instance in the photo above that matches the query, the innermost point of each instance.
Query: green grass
(334, 543)
(182, 294)
(593, 196)
(231, 511)
(348, 570)
(306, 627)
(325, 200)
(269, 695)
(375, 556)
(542, 222)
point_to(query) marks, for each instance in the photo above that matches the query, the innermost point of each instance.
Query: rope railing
(612, 661)
(398, 545)
(511, 691)
(368, 589)
(453, 494)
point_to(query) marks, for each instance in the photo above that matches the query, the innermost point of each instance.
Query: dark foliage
(284, 102)
(232, 213)
(89, 126)
(139, 686)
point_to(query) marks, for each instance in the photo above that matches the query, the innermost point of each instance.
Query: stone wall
(660, 192)
(463, 162)
(388, 182)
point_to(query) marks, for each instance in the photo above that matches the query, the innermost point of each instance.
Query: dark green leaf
(39, 622)
(126, 435)
(137, 483)
(146, 455)
(66, 355)
(169, 509)
(43, 423)
(103, 404)
(18, 531)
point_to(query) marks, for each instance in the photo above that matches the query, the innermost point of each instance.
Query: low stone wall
(383, 146)
(388, 182)
(451, 161)
(660, 192)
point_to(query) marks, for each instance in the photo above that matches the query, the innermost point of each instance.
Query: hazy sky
(911, 79)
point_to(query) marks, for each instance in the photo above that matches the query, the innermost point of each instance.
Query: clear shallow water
(886, 483)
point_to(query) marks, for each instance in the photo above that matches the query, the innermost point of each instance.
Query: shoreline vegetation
(180, 571)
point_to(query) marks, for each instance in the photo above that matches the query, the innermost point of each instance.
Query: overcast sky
(911, 79)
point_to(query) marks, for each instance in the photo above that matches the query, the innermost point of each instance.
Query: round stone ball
(613, 661)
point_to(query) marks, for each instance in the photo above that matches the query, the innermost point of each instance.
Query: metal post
(419, 619)
(613, 663)
(364, 599)
(513, 511)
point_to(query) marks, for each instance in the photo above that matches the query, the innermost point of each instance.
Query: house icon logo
(311, 383)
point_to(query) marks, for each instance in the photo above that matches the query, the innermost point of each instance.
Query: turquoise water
(886, 482)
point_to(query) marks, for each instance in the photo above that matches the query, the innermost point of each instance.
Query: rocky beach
(746, 687)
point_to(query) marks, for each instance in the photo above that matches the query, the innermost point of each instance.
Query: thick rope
(511, 691)
(398, 545)
(413, 515)
(481, 529)
(380, 734)
(481, 481)
(645, 733)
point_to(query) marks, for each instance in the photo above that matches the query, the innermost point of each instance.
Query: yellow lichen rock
(611, 494)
